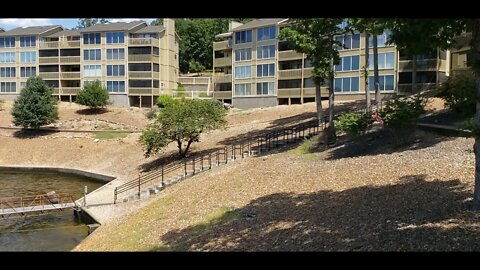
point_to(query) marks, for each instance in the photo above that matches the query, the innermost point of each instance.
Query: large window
(386, 83)
(116, 86)
(243, 72)
(28, 57)
(7, 42)
(7, 72)
(115, 70)
(92, 38)
(8, 87)
(266, 70)
(349, 41)
(92, 71)
(348, 63)
(265, 88)
(243, 37)
(347, 84)
(385, 61)
(265, 52)
(115, 54)
(28, 41)
(381, 39)
(243, 89)
(92, 55)
(7, 57)
(268, 32)
(115, 37)
(243, 54)
(27, 72)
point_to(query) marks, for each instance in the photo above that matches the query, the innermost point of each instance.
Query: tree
(93, 95)
(315, 38)
(182, 123)
(35, 106)
(87, 22)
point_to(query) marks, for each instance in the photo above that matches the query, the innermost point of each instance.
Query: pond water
(55, 231)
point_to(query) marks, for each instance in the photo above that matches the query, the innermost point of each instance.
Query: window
(381, 39)
(243, 72)
(92, 71)
(28, 57)
(27, 72)
(115, 54)
(92, 38)
(115, 70)
(266, 70)
(386, 83)
(265, 52)
(265, 88)
(116, 86)
(7, 72)
(385, 61)
(28, 41)
(347, 84)
(349, 41)
(243, 54)
(7, 57)
(243, 37)
(8, 87)
(265, 33)
(243, 89)
(92, 55)
(348, 63)
(115, 37)
(7, 42)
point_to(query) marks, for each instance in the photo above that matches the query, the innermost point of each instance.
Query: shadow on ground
(400, 217)
(89, 111)
(32, 133)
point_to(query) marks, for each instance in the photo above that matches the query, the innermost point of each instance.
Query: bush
(1, 104)
(181, 88)
(166, 100)
(93, 95)
(459, 94)
(152, 113)
(35, 106)
(204, 95)
(401, 115)
(354, 123)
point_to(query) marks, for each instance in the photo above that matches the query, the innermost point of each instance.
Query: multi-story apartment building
(460, 54)
(134, 61)
(253, 68)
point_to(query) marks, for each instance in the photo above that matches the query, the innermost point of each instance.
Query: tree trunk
(375, 71)
(187, 148)
(179, 145)
(318, 99)
(414, 73)
(476, 54)
(367, 53)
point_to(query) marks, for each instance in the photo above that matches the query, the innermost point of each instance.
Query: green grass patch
(306, 147)
(110, 135)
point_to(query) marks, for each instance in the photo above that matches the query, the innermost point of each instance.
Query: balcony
(49, 45)
(407, 87)
(307, 72)
(289, 55)
(310, 91)
(222, 94)
(140, 91)
(222, 45)
(55, 91)
(48, 60)
(288, 92)
(140, 58)
(463, 71)
(70, 44)
(70, 75)
(70, 59)
(222, 62)
(48, 75)
(422, 65)
(223, 78)
(70, 90)
(289, 74)
(143, 41)
(140, 74)
(194, 80)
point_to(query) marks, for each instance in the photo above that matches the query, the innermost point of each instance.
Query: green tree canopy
(87, 22)
(93, 95)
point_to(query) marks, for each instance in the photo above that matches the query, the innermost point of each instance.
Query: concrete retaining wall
(101, 177)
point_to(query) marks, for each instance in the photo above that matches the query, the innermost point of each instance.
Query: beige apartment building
(134, 61)
(253, 68)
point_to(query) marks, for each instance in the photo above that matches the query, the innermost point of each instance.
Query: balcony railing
(222, 94)
(69, 59)
(429, 64)
(194, 80)
(140, 74)
(223, 78)
(310, 91)
(307, 72)
(70, 44)
(288, 92)
(143, 41)
(49, 45)
(222, 45)
(48, 60)
(140, 91)
(407, 87)
(70, 90)
(289, 55)
(290, 74)
(140, 57)
(48, 75)
(222, 62)
(70, 75)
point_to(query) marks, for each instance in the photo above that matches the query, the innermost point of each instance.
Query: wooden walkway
(37, 203)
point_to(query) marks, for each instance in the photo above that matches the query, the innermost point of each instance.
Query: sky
(69, 23)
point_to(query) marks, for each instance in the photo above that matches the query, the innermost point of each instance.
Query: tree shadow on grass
(91, 111)
(33, 133)
(401, 217)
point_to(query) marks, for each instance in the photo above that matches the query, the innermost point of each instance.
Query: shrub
(93, 95)
(166, 100)
(401, 115)
(35, 106)
(354, 123)
(181, 88)
(204, 95)
(1, 104)
(459, 94)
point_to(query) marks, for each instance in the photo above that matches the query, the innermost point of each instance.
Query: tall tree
(87, 22)
(315, 38)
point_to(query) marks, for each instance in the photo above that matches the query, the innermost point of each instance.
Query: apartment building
(134, 61)
(253, 68)
(460, 55)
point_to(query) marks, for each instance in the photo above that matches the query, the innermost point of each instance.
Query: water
(55, 231)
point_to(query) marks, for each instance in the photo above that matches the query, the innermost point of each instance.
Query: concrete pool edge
(96, 176)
